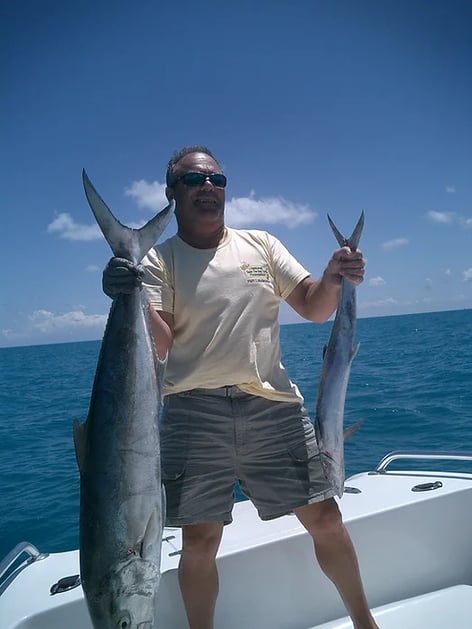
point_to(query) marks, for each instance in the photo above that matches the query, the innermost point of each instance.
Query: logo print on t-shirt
(255, 272)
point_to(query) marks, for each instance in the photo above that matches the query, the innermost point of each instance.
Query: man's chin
(210, 213)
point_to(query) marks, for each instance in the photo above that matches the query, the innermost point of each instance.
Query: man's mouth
(206, 202)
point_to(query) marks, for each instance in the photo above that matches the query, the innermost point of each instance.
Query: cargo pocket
(174, 448)
(304, 451)
(173, 467)
(302, 446)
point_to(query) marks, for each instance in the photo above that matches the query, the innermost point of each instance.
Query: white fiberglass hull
(414, 551)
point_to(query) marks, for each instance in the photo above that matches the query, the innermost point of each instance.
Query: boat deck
(374, 494)
(450, 607)
(415, 557)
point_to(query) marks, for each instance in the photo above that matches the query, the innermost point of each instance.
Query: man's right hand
(121, 276)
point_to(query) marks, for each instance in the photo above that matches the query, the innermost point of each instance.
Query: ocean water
(411, 385)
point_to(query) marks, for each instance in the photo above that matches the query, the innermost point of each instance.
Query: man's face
(197, 207)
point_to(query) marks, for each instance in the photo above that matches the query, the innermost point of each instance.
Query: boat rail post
(13, 556)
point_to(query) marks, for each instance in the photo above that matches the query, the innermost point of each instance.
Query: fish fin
(330, 465)
(337, 234)
(125, 242)
(350, 430)
(353, 241)
(151, 538)
(80, 443)
(354, 351)
(163, 505)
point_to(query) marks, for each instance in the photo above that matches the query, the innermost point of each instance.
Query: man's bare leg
(198, 576)
(337, 558)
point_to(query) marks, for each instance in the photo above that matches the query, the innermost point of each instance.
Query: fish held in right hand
(121, 276)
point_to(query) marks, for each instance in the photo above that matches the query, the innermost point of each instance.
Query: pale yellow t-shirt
(225, 303)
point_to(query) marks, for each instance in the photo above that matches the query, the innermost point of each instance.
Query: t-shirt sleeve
(157, 282)
(288, 272)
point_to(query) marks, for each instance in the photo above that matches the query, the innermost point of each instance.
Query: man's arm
(316, 300)
(122, 276)
(162, 330)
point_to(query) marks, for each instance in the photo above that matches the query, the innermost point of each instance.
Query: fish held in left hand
(118, 452)
(335, 370)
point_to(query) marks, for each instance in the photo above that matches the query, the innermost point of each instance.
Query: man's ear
(169, 193)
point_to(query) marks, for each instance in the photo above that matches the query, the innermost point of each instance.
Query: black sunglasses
(198, 179)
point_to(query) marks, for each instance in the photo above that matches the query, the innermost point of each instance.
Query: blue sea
(411, 385)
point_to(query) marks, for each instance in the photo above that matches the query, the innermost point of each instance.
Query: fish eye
(124, 622)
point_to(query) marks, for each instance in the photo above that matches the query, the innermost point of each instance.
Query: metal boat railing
(8, 569)
(428, 455)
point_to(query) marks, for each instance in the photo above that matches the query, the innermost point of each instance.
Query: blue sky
(312, 106)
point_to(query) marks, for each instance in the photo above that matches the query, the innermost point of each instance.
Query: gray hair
(178, 155)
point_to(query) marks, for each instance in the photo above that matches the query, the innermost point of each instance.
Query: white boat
(412, 534)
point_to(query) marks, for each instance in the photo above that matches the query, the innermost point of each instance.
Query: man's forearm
(314, 300)
(321, 300)
(162, 330)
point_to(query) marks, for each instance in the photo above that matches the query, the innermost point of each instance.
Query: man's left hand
(345, 263)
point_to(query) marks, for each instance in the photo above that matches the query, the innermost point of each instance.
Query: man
(230, 411)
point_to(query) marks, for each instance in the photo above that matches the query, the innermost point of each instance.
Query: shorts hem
(227, 518)
(321, 497)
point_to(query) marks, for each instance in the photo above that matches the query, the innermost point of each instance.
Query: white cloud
(381, 303)
(467, 275)
(93, 268)
(44, 326)
(65, 226)
(49, 322)
(148, 195)
(428, 283)
(240, 212)
(377, 281)
(450, 189)
(394, 244)
(448, 218)
(246, 211)
(12, 335)
(441, 217)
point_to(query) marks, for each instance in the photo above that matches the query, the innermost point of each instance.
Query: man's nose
(207, 183)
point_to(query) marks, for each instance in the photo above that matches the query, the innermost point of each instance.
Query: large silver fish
(117, 448)
(335, 370)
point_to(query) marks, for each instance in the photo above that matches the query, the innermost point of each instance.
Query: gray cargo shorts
(212, 437)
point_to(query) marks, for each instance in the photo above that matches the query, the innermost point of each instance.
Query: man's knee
(202, 539)
(321, 518)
